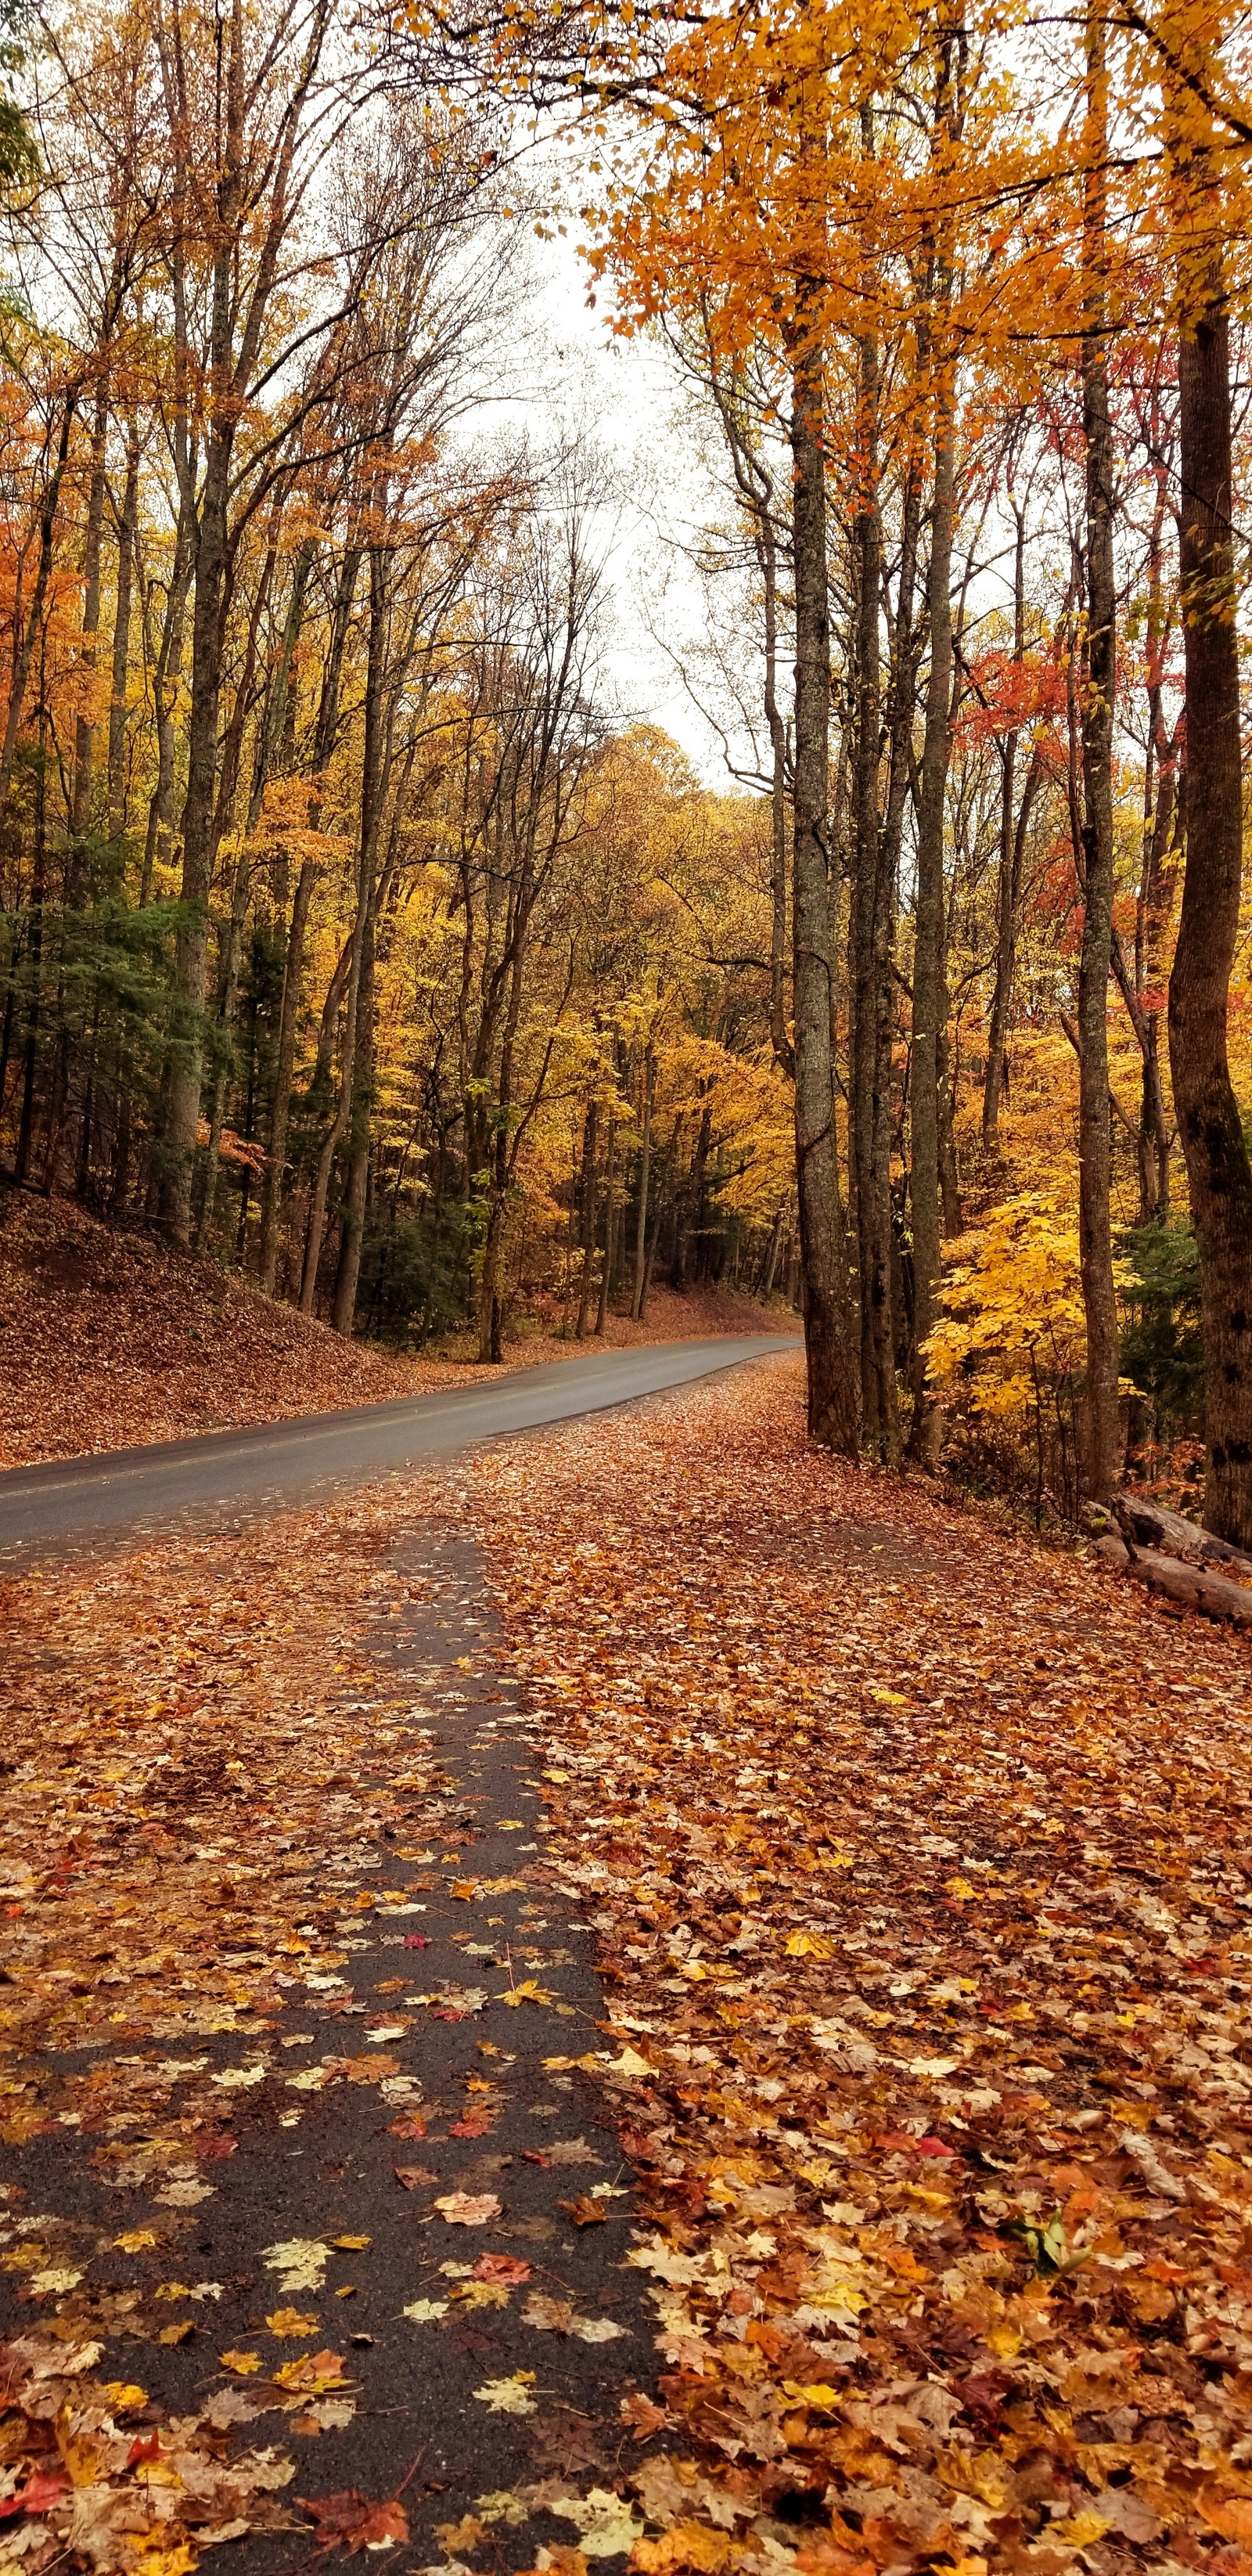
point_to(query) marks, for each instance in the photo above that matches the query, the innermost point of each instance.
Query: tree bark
(1219, 1177)
(280, 1109)
(832, 1407)
(872, 902)
(1007, 877)
(1100, 1445)
(85, 730)
(929, 981)
(116, 790)
(645, 1175)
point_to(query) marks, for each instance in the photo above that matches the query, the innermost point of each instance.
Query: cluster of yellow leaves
(1013, 1327)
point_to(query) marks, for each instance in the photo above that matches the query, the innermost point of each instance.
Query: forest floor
(889, 2205)
(109, 1340)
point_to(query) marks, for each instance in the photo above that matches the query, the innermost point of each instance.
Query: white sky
(625, 393)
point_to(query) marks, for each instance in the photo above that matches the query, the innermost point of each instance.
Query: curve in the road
(69, 1504)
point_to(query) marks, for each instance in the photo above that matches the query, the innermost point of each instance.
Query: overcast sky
(625, 393)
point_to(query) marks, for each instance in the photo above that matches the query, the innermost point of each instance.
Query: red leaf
(417, 1940)
(501, 2267)
(45, 2488)
(532, 2156)
(411, 2126)
(349, 2521)
(472, 2128)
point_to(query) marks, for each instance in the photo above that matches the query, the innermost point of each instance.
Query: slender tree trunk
(1219, 1177)
(587, 1228)
(871, 1054)
(85, 730)
(610, 1168)
(1006, 878)
(645, 1175)
(121, 634)
(222, 1070)
(280, 1109)
(1100, 1438)
(352, 1233)
(832, 1408)
(358, 1050)
(929, 981)
(191, 955)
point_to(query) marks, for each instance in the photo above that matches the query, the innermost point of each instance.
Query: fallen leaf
(468, 2208)
(349, 2521)
(509, 2396)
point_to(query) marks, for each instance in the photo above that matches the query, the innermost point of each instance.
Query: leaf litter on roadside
(919, 1855)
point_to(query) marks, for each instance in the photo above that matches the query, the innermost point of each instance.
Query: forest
(352, 936)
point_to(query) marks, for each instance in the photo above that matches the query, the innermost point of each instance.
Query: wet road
(70, 1505)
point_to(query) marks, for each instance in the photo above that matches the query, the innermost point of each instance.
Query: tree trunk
(280, 1109)
(610, 1154)
(85, 731)
(1100, 1459)
(587, 1228)
(645, 1175)
(832, 1408)
(872, 901)
(359, 1046)
(1219, 1177)
(191, 954)
(1006, 879)
(930, 1001)
(121, 635)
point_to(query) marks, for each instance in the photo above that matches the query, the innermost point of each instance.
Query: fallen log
(1151, 1525)
(1193, 1587)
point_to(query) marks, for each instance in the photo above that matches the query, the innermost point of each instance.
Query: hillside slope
(108, 1340)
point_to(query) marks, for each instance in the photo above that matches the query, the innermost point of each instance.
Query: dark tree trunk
(1219, 1177)
(1100, 1459)
(832, 1406)
(930, 1001)
(126, 536)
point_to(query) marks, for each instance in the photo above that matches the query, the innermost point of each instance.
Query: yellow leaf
(157, 2561)
(808, 1945)
(243, 2363)
(1004, 2341)
(134, 2240)
(125, 2395)
(1082, 2529)
(351, 2244)
(959, 1887)
(312, 2374)
(287, 2323)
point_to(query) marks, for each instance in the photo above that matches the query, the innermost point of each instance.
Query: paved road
(71, 1504)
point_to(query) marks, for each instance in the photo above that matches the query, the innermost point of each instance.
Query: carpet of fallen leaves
(920, 1856)
(110, 1340)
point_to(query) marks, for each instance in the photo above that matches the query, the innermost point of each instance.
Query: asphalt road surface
(77, 1503)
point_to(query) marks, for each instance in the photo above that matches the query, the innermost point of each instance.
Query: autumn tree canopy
(351, 936)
